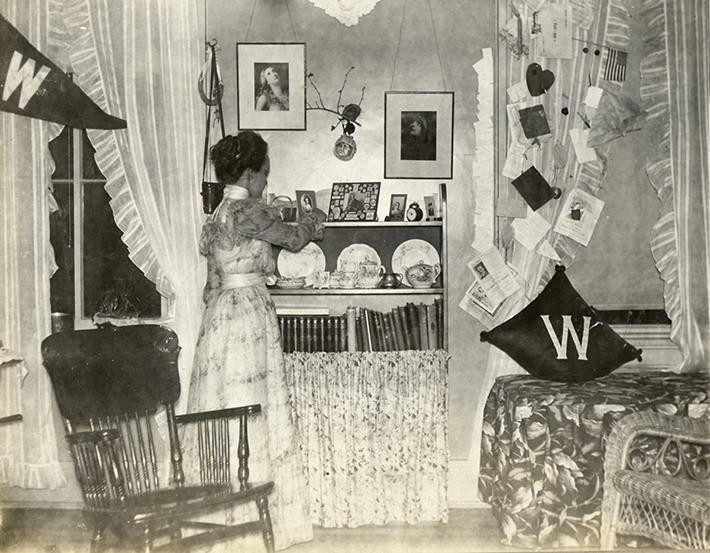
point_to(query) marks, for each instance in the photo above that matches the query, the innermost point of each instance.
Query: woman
(238, 358)
(417, 143)
(271, 96)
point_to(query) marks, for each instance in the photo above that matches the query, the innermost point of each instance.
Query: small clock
(414, 212)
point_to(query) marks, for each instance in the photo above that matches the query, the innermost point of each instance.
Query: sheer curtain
(28, 449)
(675, 90)
(140, 60)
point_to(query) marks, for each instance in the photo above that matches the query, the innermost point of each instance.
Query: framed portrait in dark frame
(398, 205)
(271, 86)
(419, 135)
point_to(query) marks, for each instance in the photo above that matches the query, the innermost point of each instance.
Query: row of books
(405, 327)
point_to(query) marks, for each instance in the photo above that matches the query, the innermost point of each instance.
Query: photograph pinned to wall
(353, 201)
(419, 135)
(579, 216)
(398, 203)
(271, 86)
(306, 202)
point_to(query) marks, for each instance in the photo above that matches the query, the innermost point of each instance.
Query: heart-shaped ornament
(538, 80)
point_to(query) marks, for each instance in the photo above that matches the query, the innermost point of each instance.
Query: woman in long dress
(238, 358)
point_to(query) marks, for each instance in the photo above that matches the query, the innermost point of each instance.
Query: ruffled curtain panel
(140, 60)
(374, 431)
(28, 448)
(675, 90)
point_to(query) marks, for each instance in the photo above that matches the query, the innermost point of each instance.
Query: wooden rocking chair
(109, 383)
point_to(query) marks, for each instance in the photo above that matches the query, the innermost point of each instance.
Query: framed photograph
(419, 135)
(354, 201)
(306, 202)
(430, 208)
(398, 203)
(271, 86)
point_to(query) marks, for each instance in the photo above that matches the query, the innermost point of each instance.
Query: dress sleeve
(256, 220)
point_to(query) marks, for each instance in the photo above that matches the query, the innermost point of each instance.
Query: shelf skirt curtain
(374, 431)
(675, 90)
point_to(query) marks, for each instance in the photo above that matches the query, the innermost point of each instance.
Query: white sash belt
(241, 280)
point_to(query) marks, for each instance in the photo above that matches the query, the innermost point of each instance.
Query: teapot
(391, 280)
(422, 275)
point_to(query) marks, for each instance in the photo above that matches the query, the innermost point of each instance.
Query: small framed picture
(271, 86)
(354, 201)
(398, 203)
(430, 208)
(419, 135)
(306, 200)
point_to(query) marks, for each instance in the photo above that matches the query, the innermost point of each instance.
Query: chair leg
(263, 504)
(147, 540)
(98, 527)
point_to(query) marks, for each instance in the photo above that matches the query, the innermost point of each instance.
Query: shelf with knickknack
(377, 268)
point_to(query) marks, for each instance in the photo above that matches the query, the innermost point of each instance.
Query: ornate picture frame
(271, 86)
(354, 202)
(419, 135)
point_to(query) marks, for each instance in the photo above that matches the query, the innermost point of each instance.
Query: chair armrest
(678, 428)
(219, 414)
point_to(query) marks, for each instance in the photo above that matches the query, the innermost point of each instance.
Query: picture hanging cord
(251, 17)
(436, 44)
(290, 18)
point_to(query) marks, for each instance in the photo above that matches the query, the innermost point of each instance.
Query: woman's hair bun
(232, 155)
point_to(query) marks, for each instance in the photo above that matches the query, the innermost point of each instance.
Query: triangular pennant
(31, 85)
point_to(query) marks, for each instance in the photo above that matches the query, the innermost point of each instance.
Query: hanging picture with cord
(419, 135)
(271, 86)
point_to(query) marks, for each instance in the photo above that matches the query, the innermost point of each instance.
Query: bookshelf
(384, 237)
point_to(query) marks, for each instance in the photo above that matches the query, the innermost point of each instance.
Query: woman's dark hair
(232, 155)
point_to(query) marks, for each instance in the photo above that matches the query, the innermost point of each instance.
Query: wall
(304, 160)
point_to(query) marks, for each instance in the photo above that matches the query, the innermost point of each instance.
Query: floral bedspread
(543, 448)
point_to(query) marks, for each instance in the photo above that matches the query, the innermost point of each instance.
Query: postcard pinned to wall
(494, 276)
(531, 229)
(555, 21)
(475, 296)
(579, 216)
(584, 153)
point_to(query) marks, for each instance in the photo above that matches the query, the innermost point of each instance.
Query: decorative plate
(301, 264)
(413, 252)
(291, 283)
(354, 254)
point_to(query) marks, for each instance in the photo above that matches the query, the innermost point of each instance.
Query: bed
(543, 448)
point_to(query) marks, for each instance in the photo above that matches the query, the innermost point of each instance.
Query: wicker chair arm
(231, 412)
(651, 424)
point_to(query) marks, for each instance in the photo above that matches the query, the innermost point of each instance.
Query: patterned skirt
(239, 361)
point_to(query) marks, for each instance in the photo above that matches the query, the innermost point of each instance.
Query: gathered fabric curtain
(140, 60)
(28, 448)
(374, 434)
(608, 26)
(675, 90)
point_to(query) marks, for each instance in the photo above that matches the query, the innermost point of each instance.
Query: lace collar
(235, 192)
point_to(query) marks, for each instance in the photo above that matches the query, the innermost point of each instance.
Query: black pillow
(559, 337)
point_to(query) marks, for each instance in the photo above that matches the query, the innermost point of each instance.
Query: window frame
(77, 182)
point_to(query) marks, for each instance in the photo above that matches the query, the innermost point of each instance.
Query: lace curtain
(608, 26)
(28, 449)
(140, 61)
(374, 434)
(676, 93)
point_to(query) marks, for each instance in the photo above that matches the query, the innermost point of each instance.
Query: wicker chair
(657, 481)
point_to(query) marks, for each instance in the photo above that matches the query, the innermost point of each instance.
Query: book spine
(432, 334)
(301, 334)
(387, 323)
(369, 331)
(344, 336)
(423, 332)
(440, 321)
(380, 326)
(322, 334)
(351, 315)
(399, 329)
(412, 325)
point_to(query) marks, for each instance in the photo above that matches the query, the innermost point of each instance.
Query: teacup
(369, 275)
(321, 279)
(343, 279)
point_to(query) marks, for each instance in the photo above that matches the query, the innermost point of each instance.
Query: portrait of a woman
(271, 87)
(418, 135)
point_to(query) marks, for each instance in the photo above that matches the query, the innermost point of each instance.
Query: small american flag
(615, 66)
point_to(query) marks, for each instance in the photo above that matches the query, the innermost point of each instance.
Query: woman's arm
(257, 220)
(261, 102)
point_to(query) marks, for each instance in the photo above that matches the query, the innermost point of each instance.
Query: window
(95, 274)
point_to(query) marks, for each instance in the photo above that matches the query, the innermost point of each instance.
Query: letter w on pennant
(24, 77)
(560, 344)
